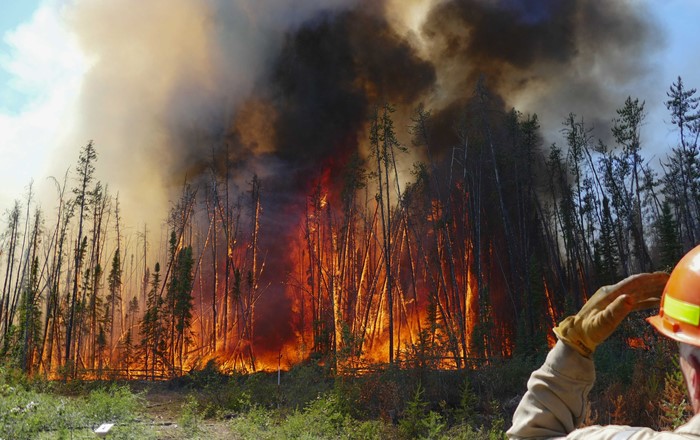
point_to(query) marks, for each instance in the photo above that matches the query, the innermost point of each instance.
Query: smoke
(174, 82)
(546, 56)
(167, 81)
(178, 88)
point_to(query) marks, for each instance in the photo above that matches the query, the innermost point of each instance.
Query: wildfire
(552, 316)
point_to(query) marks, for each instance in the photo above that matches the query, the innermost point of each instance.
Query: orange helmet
(679, 315)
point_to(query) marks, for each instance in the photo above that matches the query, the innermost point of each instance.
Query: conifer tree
(11, 261)
(682, 173)
(30, 315)
(114, 283)
(669, 246)
(86, 170)
(180, 297)
(384, 143)
(152, 344)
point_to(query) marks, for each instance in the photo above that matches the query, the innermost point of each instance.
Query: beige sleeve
(555, 401)
(555, 404)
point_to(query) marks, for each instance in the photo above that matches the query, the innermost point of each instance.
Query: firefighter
(556, 396)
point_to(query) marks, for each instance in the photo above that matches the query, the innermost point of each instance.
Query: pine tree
(152, 344)
(86, 170)
(627, 184)
(114, 283)
(5, 313)
(384, 143)
(30, 319)
(682, 179)
(669, 246)
(180, 290)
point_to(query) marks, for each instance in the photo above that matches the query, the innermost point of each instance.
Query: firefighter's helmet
(679, 315)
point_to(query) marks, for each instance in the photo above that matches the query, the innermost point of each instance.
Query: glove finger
(642, 286)
(617, 310)
(639, 288)
(610, 318)
(649, 303)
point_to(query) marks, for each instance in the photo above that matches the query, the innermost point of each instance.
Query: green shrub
(256, 424)
(190, 417)
(674, 405)
(464, 432)
(223, 397)
(262, 389)
(113, 404)
(466, 412)
(28, 414)
(417, 423)
(322, 418)
(24, 413)
(304, 383)
(497, 430)
(368, 430)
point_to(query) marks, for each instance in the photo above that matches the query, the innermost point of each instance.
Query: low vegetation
(311, 401)
(35, 410)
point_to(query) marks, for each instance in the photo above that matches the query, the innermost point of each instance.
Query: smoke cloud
(284, 89)
(546, 56)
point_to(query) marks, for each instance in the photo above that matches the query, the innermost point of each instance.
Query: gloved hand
(606, 309)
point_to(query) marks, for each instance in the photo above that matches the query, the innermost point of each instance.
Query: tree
(668, 243)
(114, 283)
(52, 317)
(13, 217)
(383, 142)
(683, 105)
(152, 329)
(86, 170)
(30, 315)
(180, 296)
(129, 346)
(682, 176)
(627, 186)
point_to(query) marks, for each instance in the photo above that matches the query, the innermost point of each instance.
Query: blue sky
(14, 12)
(42, 67)
(680, 22)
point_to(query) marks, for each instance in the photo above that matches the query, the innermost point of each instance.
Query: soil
(162, 412)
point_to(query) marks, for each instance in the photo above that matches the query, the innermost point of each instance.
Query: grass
(31, 411)
(312, 403)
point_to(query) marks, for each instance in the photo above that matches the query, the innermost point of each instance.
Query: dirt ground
(162, 413)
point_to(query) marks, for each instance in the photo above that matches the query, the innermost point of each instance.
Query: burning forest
(351, 183)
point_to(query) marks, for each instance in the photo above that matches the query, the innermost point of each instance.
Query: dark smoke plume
(546, 56)
(322, 87)
(284, 89)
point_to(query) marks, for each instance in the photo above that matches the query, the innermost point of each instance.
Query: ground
(163, 416)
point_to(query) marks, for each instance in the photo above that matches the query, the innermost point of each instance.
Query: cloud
(46, 69)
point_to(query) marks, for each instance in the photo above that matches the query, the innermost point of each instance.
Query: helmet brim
(675, 332)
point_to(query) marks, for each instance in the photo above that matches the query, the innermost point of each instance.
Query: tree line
(476, 256)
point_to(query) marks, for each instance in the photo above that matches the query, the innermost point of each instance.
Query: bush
(28, 414)
(304, 383)
(320, 419)
(262, 389)
(190, 417)
(113, 404)
(466, 412)
(416, 423)
(257, 424)
(24, 413)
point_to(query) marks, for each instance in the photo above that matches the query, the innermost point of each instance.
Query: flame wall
(183, 90)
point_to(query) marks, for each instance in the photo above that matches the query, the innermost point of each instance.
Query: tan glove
(606, 309)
